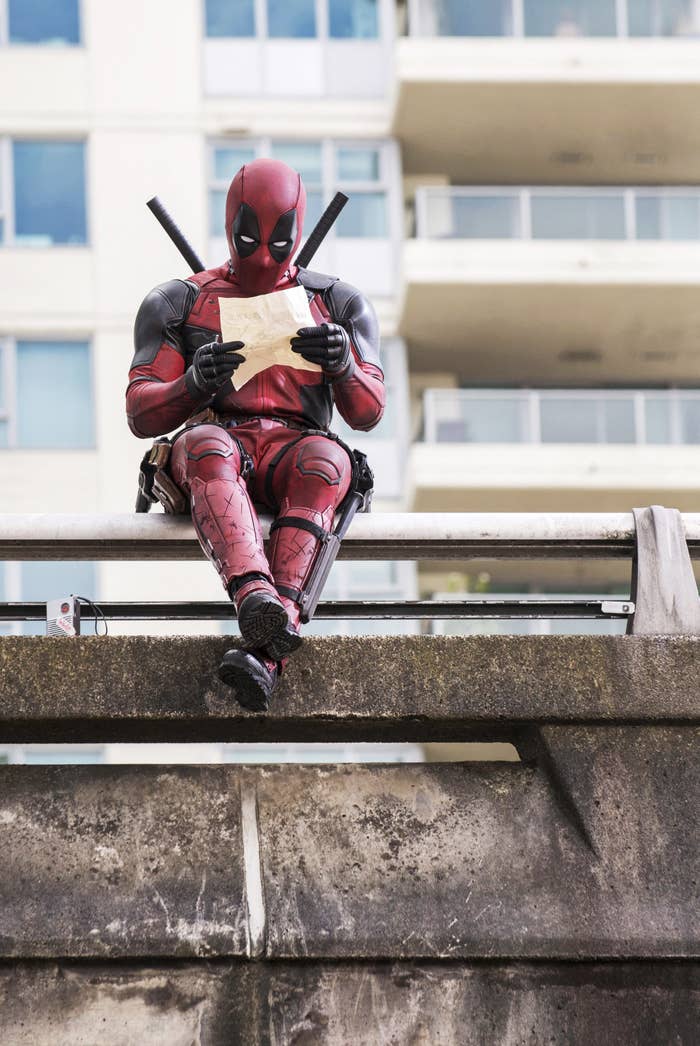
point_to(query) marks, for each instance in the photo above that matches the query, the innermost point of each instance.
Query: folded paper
(266, 324)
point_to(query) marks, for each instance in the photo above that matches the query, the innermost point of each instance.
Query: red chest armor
(283, 391)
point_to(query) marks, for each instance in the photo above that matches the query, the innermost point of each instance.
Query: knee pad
(205, 440)
(210, 452)
(323, 459)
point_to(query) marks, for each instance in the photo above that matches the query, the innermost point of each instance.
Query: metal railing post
(664, 589)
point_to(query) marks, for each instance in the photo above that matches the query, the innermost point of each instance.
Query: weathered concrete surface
(392, 688)
(589, 853)
(112, 861)
(366, 1004)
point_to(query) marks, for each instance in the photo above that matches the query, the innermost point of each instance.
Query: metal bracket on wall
(664, 589)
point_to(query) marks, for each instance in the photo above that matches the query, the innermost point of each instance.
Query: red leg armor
(310, 481)
(207, 464)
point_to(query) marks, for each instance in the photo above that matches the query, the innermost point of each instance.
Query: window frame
(7, 193)
(9, 408)
(262, 146)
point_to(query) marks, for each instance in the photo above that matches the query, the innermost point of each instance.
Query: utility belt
(157, 486)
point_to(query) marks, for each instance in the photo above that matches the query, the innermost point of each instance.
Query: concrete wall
(549, 900)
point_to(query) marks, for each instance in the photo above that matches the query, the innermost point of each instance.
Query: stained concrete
(588, 852)
(384, 689)
(112, 861)
(334, 1004)
(553, 900)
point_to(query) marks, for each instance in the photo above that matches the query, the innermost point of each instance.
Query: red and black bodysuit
(269, 443)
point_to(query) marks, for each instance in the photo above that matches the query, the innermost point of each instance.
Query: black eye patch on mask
(246, 224)
(285, 231)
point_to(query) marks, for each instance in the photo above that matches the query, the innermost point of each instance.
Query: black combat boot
(262, 618)
(251, 675)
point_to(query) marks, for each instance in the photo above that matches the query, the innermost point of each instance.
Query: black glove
(213, 365)
(327, 345)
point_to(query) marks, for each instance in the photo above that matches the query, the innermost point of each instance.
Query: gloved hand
(327, 345)
(213, 365)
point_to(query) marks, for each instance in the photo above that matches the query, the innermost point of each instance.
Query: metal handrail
(464, 608)
(380, 536)
(664, 594)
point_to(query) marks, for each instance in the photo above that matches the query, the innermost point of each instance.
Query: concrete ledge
(333, 1004)
(411, 688)
(589, 854)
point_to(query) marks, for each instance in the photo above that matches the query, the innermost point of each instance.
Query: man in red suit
(268, 442)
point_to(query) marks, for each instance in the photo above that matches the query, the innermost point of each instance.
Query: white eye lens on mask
(280, 243)
(247, 239)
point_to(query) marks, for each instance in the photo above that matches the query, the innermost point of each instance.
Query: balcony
(557, 450)
(595, 90)
(554, 286)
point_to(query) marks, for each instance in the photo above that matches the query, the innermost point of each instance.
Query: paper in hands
(266, 323)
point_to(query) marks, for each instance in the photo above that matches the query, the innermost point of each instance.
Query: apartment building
(523, 212)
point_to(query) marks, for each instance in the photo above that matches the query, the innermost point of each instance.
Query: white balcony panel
(555, 111)
(293, 68)
(357, 68)
(487, 477)
(233, 68)
(544, 312)
(50, 286)
(52, 82)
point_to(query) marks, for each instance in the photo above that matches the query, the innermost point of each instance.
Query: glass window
(658, 419)
(618, 420)
(570, 18)
(578, 217)
(314, 208)
(54, 395)
(464, 18)
(356, 19)
(484, 217)
(291, 19)
(364, 215)
(44, 21)
(690, 419)
(358, 165)
(304, 157)
(229, 159)
(230, 17)
(217, 212)
(479, 419)
(668, 217)
(568, 420)
(662, 18)
(49, 188)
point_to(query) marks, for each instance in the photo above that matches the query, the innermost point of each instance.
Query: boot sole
(266, 627)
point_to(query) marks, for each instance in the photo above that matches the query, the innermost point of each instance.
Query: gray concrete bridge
(552, 900)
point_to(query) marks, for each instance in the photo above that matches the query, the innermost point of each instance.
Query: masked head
(264, 218)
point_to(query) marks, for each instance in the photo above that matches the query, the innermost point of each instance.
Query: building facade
(524, 213)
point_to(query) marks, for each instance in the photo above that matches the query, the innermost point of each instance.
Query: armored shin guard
(311, 481)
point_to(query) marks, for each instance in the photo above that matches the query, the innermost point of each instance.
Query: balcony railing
(561, 416)
(554, 18)
(493, 213)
